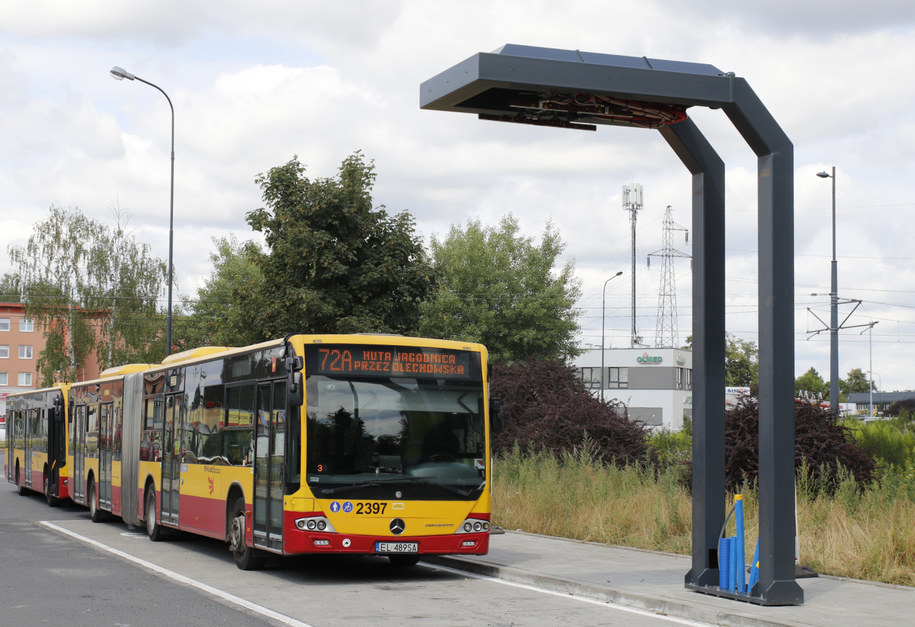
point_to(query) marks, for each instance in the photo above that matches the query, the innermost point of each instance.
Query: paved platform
(654, 582)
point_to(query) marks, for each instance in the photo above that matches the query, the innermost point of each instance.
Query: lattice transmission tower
(667, 334)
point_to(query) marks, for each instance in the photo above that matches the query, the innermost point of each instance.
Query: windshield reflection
(395, 431)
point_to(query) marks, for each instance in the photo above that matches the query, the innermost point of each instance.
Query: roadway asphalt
(653, 581)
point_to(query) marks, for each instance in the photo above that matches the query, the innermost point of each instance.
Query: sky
(255, 84)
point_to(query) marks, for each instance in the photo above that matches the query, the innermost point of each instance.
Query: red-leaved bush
(546, 406)
(820, 442)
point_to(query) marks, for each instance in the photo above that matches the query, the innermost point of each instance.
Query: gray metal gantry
(574, 89)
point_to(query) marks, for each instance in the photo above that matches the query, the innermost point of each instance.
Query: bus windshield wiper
(365, 484)
(412, 480)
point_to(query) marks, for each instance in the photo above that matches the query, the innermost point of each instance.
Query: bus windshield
(392, 437)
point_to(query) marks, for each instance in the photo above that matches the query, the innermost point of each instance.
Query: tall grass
(575, 496)
(851, 533)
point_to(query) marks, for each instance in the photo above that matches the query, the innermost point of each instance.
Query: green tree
(225, 310)
(500, 288)
(91, 288)
(333, 262)
(9, 288)
(857, 381)
(741, 362)
(812, 383)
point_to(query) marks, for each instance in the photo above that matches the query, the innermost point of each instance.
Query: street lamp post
(603, 311)
(120, 74)
(833, 307)
(870, 366)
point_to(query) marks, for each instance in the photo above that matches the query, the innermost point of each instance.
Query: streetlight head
(822, 175)
(618, 273)
(119, 73)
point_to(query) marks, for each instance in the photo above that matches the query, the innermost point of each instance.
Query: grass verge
(851, 533)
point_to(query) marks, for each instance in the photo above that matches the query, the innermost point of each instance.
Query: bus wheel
(246, 557)
(153, 530)
(403, 561)
(52, 502)
(19, 487)
(95, 514)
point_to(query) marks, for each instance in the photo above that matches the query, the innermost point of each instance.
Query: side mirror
(58, 409)
(495, 415)
(295, 392)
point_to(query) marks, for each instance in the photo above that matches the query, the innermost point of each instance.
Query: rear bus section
(36, 458)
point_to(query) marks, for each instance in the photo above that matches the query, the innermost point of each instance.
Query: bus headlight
(474, 525)
(315, 523)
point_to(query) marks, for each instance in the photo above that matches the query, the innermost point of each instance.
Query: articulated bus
(362, 444)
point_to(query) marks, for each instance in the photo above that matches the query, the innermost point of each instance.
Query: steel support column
(775, 219)
(708, 489)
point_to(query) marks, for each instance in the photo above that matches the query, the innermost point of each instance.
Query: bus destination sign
(391, 361)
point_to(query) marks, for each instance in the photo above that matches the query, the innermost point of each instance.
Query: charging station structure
(575, 89)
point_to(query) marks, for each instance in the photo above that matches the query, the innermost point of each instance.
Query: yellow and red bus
(37, 442)
(363, 444)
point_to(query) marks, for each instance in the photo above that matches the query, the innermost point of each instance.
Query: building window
(617, 378)
(4, 324)
(26, 325)
(4, 378)
(4, 352)
(25, 351)
(25, 379)
(684, 379)
(591, 378)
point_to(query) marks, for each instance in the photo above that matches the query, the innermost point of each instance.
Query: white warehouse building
(655, 384)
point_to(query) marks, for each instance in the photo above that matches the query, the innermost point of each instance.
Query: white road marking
(566, 595)
(231, 598)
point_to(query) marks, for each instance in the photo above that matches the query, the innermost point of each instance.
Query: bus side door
(171, 459)
(269, 467)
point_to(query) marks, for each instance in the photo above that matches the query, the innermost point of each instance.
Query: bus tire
(246, 557)
(19, 487)
(52, 502)
(95, 514)
(153, 529)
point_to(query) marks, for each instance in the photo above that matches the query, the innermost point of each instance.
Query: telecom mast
(667, 334)
(632, 202)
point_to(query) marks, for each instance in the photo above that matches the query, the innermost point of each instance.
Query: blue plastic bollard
(724, 563)
(735, 564)
(740, 549)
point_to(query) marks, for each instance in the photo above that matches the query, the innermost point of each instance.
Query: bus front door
(171, 475)
(268, 464)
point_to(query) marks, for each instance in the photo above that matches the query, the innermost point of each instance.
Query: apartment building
(21, 341)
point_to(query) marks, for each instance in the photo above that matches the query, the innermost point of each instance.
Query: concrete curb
(660, 605)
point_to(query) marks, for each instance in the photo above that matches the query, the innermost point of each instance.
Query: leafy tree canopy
(741, 359)
(500, 288)
(91, 288)
(857, 381)
(225, 310)
(812, 384)
(333, 262)
(9, 288)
